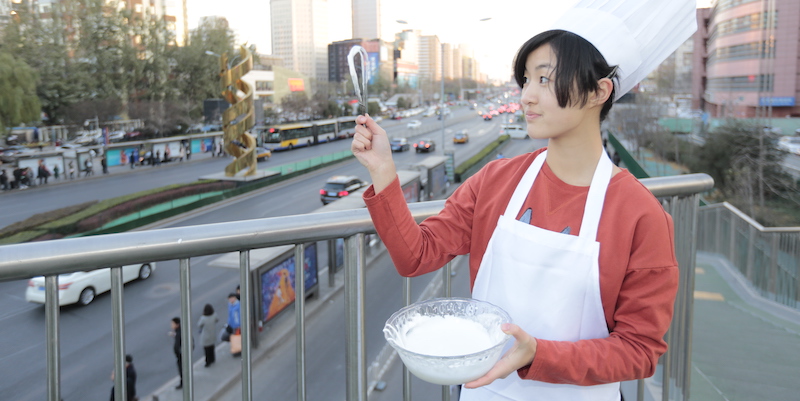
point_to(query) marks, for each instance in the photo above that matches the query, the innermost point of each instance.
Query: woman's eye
(544, 80)
(525, 80)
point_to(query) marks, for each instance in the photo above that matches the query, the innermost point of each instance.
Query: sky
(494, 42)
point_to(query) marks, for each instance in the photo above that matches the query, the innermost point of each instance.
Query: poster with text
(278, 283)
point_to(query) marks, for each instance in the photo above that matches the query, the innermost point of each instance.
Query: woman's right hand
(371, 147)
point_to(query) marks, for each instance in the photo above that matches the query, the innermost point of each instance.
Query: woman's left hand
(521, 354)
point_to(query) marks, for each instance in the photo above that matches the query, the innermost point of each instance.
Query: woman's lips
(532, 116)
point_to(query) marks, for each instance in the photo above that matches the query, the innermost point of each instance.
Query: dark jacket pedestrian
(132, 159)
(4, 180)
(130, 380)
(104, 163)
(43, 173)
(176, 347)
(208, 333)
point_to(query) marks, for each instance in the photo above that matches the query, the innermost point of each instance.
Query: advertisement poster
(374, 64)
(206, 145)
(197, 145)
(438, 180)
(113, 157)
(411, 192)
(278, 283)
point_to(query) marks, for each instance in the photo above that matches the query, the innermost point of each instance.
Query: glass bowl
(440, 316)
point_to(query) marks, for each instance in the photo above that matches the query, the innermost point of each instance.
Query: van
(514, 131)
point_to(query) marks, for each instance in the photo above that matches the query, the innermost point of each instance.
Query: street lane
(86, 342)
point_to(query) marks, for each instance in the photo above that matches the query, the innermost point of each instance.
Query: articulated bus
(296, 135)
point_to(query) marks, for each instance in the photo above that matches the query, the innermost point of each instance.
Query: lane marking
(708, 296)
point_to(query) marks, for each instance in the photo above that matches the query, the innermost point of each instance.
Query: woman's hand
(521, 354)
(371, 147)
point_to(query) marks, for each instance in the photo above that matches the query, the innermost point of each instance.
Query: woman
(586, 315)
(208, 325)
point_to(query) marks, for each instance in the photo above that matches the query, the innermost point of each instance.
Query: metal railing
(768, 257)
(51, 258)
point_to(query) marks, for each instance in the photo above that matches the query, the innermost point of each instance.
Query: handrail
(51, 258)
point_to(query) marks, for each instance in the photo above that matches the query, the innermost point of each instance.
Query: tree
(18, 101)
(296, 106)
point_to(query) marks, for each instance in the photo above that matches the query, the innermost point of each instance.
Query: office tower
(300, 35)
(367, 19)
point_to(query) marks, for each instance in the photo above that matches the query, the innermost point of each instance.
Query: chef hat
(635, 35)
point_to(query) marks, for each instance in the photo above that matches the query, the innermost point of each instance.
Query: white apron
(550, 285)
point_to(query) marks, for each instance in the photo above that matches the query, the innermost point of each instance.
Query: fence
(767, 257)
(21, 261)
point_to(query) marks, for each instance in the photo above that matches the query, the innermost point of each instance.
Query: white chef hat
(635, 35)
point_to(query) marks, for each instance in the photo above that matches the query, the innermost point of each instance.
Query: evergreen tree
(18, 101)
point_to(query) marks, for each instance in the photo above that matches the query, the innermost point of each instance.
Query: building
(300, 35)
(367, 19)
(746, 59)
(381, 60)
(430, 58)
(406, 59)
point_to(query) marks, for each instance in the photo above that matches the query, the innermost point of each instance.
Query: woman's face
(545, 118)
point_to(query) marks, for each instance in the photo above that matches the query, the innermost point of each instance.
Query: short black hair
(176, 320)
(579, 65)
(232, 295)
(208, 310)
(128, 358)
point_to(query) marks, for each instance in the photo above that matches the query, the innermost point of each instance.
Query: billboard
(296, 85)
(373, 66)
(278, 282)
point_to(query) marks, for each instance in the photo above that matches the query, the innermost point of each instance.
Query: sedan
(414, 124)
(82, 287)
(425, 145)
(399, 144)
(461, 137)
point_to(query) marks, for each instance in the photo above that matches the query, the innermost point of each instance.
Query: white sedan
(414, 124)
(82, 287)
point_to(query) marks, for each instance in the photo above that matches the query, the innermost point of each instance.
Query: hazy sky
(454, 21)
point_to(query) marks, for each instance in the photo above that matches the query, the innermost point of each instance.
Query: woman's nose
(528, 95)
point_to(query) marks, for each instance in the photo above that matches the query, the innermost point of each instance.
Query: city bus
(300, 134)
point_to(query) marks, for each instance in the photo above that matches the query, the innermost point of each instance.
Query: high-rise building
(300, 35)
(366, 19)
(430, 58)
(746, 59)
(406, 58)
(380, 60)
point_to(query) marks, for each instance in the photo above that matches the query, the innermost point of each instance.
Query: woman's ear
(604, 88)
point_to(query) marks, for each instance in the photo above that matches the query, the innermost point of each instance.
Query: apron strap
(596, 198)
(524, 186)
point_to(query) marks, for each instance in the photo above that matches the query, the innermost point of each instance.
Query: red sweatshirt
(638, 269)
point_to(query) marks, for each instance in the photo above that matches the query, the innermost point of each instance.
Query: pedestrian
(132, 159)
(56, 170)
(42, 172)
(88, 167)
(71, 170)
(166, 154)
(4, 180)
(616, 159)
(591, 299)
(130, 380)
(238, 292)
(182, 153)
(188, 152)
(158, 158)
(176, 347)
(234, 325)
(208, 333)
(104, 164)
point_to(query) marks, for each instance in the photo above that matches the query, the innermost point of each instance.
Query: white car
(82, 287)
(790, 144)
(414, 124)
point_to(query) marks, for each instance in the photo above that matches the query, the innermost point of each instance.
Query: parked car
(10, 154)
(414, 124)
(399, 144)
(425, 145)
(487, 117)
(461, 137)
(263, 154)
(340, 186)
(83, 287)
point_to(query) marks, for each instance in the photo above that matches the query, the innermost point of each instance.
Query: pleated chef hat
(636, 35)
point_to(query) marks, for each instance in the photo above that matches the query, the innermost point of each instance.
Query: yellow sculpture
(238, 118)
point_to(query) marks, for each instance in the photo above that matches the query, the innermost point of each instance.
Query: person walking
(234, 324)
(176, 348)
(208, 333)
(88, 167)
(130, 380)
(56, 170)
(71, 170)
(43, 173)
(132, 159)
(104, 164)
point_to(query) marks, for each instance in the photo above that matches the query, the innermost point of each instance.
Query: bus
(300, 134)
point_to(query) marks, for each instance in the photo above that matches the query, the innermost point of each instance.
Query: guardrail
(51, 258)
(768, 257)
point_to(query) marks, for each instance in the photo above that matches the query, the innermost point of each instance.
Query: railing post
(51, 316)
(300, 318)
(406, 373)
(356, 356)
(118, 334)
(446, 283)
(186, 330)
(246, 323)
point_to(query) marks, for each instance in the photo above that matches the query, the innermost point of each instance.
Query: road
(86, 346)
